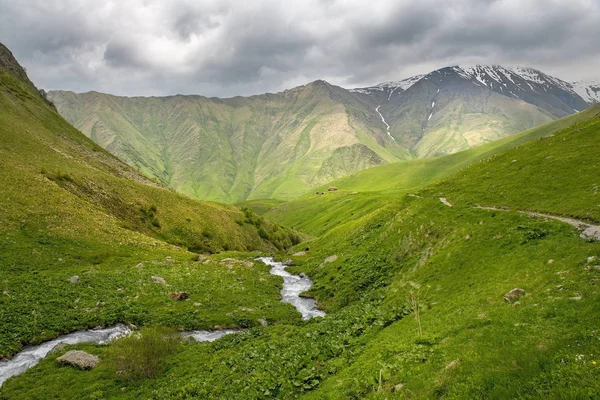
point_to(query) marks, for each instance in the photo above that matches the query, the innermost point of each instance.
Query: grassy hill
(414, 291)
(279, 146)
(372, 188)
(270, 146)
(69, 208)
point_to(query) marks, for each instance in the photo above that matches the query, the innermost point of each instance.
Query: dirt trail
(589, 231)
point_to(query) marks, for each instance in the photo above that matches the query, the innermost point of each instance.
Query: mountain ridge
(280, 145)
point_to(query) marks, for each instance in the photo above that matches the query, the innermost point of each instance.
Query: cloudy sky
(230, 47)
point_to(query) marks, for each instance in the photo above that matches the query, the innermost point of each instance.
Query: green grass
(461, 260)
(81, 216)
(67, 207)
(316, 214)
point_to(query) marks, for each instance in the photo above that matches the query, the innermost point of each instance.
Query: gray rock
(299, 254)
(74, 279)
(158, 279)
(263, 321)
(330, 259)
(79, 359)
(514, 294)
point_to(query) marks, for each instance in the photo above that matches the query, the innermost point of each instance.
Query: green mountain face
(275, 145)
(282, 145)
(70, 208)
(468, 276)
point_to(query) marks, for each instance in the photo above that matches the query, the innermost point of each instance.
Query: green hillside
(270, 146)
(392, 180)
(69, 208)
(279, 146)
(414, 291)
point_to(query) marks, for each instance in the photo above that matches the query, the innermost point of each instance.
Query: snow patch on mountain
(587, 90)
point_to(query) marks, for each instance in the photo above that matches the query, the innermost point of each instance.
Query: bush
(142, 354)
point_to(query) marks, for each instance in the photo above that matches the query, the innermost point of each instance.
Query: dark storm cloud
(230, 47)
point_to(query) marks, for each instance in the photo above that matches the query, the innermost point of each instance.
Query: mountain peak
(9, 63)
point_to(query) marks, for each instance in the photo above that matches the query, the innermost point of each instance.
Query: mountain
(69, 208)
(483, 299)
(454, 108)
(273, 145)
(282, 145)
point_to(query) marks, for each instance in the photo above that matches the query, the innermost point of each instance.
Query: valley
(282, 145)
(465, 267)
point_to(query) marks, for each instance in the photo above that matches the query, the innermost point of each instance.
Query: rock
(550, 261)
(248, 264)
(179, 296)
(74, 279)
(158, 279)
(482, 316)
(516, 304)
(168, 260)
(287, 262)
(330, 259)
(591, 259)
(398, 387)
(453, 364)
(263, 321)
(332, 188)
(299, 254)
(514, 294)
(79, 359)
(468, 237)
(140, 266)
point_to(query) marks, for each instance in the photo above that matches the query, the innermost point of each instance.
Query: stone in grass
(514, 295)
(79, 359)
(158, 279)
(179, 296)
(74, 279)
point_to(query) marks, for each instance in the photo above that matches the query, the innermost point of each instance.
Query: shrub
(142, 354)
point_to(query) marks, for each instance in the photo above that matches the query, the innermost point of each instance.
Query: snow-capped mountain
(456, 107)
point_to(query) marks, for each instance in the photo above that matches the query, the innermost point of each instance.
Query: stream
(293, 285)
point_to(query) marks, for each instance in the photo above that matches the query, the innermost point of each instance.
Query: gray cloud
(236, 47)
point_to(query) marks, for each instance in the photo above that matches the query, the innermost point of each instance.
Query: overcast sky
(229, 47)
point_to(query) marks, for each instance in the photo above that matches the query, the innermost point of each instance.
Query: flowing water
(293, 285)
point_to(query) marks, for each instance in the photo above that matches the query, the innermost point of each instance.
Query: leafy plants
(142, 354)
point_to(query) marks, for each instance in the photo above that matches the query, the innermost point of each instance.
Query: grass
(69, 208)
(465, 342)
(372, 188)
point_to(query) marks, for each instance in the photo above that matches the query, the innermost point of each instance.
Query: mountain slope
(281, 145)
(69, 208)
(275, 145)
(415, 297)
(455, 108)
(365, 190)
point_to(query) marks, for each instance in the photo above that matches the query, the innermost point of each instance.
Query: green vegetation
(83, 235)
(280, 146)
(414, 288)
(142, 354)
